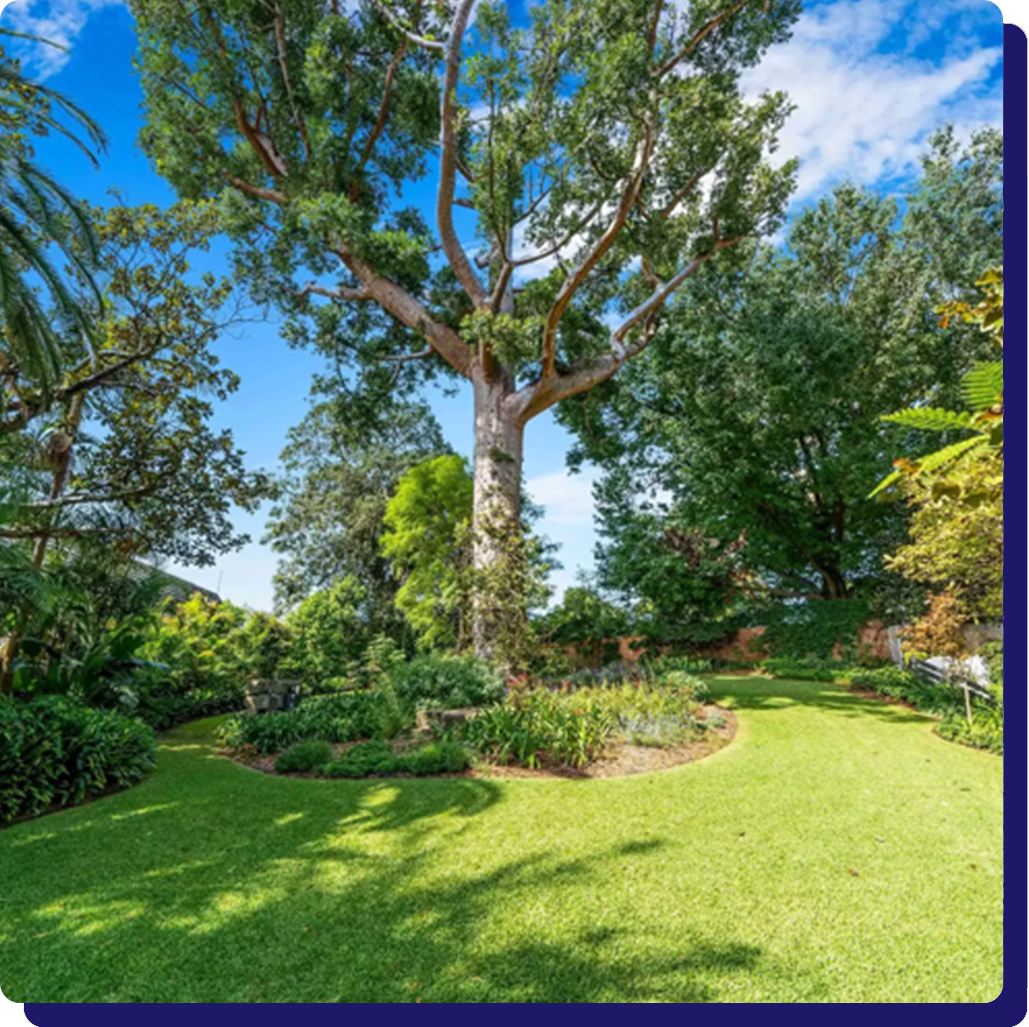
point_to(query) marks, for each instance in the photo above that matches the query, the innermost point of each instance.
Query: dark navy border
(1010, 1007)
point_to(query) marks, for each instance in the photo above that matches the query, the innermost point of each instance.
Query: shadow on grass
(212, 883)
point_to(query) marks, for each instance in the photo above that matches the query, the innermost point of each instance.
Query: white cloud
(866, 99)
(60, 21)
(567, 498)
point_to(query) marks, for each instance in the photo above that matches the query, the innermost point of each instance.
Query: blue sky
(871, 80)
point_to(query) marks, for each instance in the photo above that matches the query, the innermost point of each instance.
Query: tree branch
(456, 255)
(341, 293)
(396, 300)
(280, 43)
(272, 195)
(387, 96)
(547, 390)
(600, 247)
(698, 37)
(681, 195)
(428, 44)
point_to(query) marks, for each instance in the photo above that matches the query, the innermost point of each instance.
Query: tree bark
(497, 502)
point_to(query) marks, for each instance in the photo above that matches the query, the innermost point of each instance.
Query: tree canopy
(758, 407)
(119, 447)
(599, 153)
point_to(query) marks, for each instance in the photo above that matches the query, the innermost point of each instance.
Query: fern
(934, 461)
(983, 386)
(930, 419)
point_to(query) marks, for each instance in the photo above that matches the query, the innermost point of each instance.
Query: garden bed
(621, 759)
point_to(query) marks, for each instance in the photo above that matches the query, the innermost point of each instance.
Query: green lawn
(835, 851)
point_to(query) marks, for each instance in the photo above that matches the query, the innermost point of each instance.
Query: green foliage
(201, 642)
(795, 668)
(330, 633)
(344, 717)
(36, 212)
(442, 757)
(982, 388)
(943, 700)
(342, 463)
(150, 475)
(54, 752)
(928, 419)
(446, 682)
(816, 629)
(993, 654)
(956, 537)
(572, 727)
(985, 732)
(659, 714)
(585, 620)
(364, 759)
(424, 542)
(304, 757)
(539, 729)
(758, 406)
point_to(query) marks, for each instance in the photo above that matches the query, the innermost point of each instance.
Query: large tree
(759, 406)
(600, 148)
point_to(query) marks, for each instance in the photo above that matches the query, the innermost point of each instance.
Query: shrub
(446, 683)
(540, 728)
(330, 634)
(894, 683)
(443, 757)
(304, 757)
(54, 752)
(985, 732)
(162, 707)
(329, 718)
(662, 714)
(814, 630)
(364, 759)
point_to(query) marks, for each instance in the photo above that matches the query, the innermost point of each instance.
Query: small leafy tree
(425, 540)
(330, 633)
(342, 464)
(119, 450)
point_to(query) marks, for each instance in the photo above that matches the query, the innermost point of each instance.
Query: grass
(835, 851)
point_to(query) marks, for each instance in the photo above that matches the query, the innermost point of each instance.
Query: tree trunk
(496, 514)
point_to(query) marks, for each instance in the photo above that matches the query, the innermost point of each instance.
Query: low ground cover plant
(440, 757)
(304, 756)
